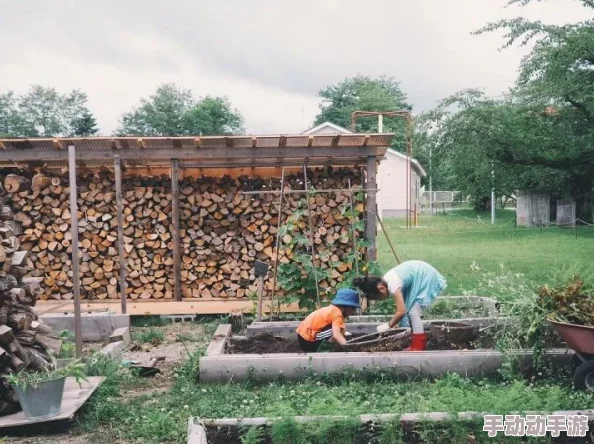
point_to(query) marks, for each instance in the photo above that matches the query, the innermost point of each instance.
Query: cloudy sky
(269, 57)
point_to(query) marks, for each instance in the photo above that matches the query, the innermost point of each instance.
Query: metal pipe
(337, 190)
(277, 244)
(311, 236)
(407, 116)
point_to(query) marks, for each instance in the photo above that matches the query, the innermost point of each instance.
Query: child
(327, 324)
(414, 285)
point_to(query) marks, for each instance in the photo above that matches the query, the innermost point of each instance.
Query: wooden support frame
(277, 241)
(120, 216)
(175, 234)
(311, 236)
(371, 227)
(75, 252)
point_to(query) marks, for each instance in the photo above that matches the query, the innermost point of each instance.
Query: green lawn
(452, 243)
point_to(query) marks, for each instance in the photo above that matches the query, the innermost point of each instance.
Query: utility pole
(492, 194)
(430, 180)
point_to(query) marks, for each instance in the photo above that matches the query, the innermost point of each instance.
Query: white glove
(382, 328)
(347, 334)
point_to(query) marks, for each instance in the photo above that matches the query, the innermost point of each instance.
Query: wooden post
(353, 231)
(118, 184)
(176, 240)
(75, 252)
(260, 297)
(371, 228)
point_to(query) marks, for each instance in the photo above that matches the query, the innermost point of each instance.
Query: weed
(151, 335)
(149, 321)
(252, 435)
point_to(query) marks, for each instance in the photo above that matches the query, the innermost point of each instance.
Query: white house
(391, 199)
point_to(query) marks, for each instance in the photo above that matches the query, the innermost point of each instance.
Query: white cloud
(270, 58)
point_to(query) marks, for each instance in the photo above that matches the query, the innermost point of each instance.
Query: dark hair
(368, 285)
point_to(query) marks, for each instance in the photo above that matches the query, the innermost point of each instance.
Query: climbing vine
(295, 274)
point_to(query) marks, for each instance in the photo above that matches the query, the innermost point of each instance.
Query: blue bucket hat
(347, 298)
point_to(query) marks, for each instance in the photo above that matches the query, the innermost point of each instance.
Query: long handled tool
(388, 238)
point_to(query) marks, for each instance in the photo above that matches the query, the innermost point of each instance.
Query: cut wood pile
(25, 341)
(222, 231)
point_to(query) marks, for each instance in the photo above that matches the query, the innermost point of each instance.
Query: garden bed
(267, 343)
(231, 358)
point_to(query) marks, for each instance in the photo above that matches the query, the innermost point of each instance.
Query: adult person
(414, 285)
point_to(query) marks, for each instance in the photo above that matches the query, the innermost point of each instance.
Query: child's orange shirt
(319, 320)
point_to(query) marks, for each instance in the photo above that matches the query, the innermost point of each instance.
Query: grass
(455, 242)
(162, 418)
(149, 335)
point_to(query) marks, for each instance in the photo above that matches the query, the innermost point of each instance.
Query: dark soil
(266, 343)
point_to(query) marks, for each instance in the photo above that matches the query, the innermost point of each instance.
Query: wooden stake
(277, 244)
(388, 238)
(118, 184)
(355, 249)
(75, 252)
(260, 297)
(311, 235)
(371, 229)
(176, 239)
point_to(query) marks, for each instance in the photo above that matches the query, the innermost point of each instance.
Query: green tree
(558, 71)
(85, 125)
(363, 93)
(173, 111)
(43, 112)
(469, 135)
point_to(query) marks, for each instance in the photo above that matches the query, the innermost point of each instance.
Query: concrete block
(181, 318)
(96, 327)
(196, 432)
(121, 334)
(113, 349)
(566, 213)
(533, 209)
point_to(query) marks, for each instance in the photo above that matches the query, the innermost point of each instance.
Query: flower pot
(42, 401)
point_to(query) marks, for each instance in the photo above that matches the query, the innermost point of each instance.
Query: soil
(267, 343)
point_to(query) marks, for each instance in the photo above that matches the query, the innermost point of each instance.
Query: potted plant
(40, 393)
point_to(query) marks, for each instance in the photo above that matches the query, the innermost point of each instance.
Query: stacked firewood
(25, 341)
(222, 231)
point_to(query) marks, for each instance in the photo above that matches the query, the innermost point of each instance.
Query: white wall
(392, 184)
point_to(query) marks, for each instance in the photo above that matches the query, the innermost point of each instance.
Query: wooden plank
(120, 217)
(160, 307)
(371, 225)
(251, 155)
(75, 252)
(175, 234)
(74, 397)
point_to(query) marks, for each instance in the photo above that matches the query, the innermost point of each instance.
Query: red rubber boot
(418, 342)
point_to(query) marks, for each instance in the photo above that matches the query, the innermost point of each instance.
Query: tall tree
(43, 112)
(173, 111)
(85, 125)
(558, 71)
(363, 93)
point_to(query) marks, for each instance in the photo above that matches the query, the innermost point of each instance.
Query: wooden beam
(366, 140)
(175, 234)
(197, 142)
(282, 141)
(222, 154)
(335, 140)
(58, 144)
(167, 307)
(115, 144)
(254, 142)
(75, 252)
(371, 226)
(120, 216)
(2, 146)
(140, 143)
(310, 141)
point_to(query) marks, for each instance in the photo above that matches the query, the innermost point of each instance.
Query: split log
(14, 183)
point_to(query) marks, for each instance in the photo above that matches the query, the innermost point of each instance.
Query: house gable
(327, 128)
